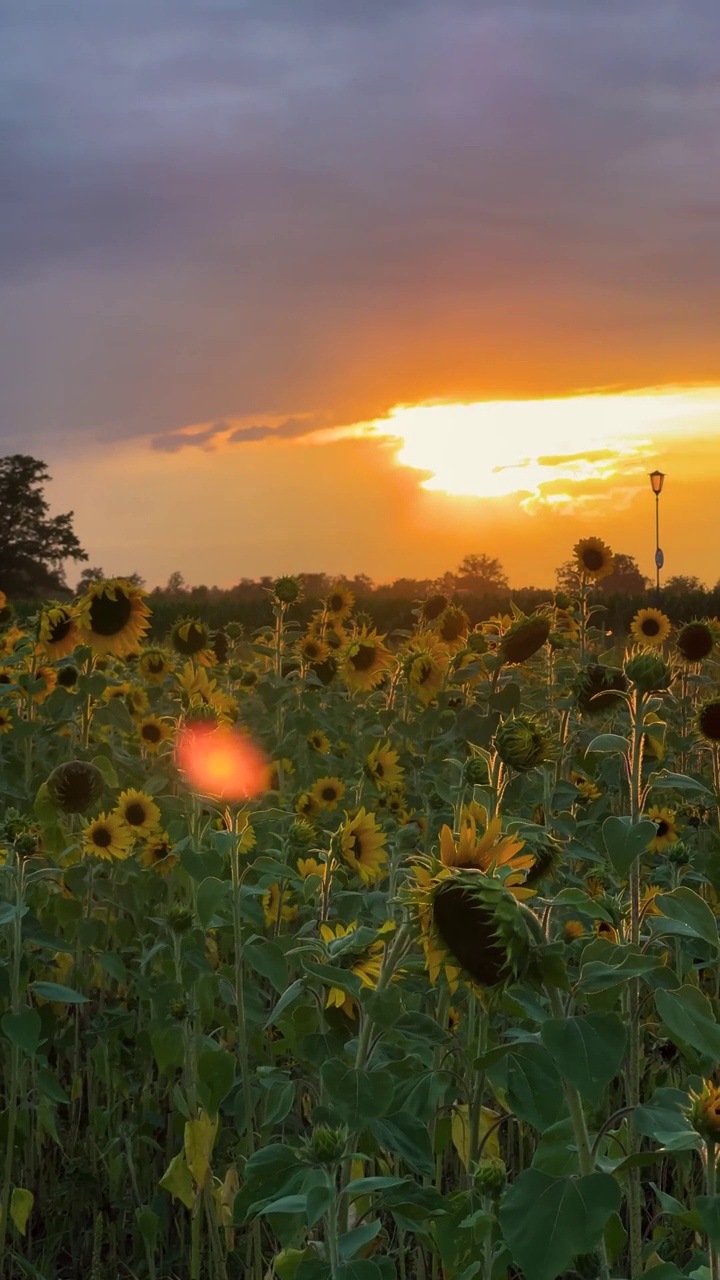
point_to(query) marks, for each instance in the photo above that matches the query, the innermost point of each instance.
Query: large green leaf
(688, 907)
(23, 1029)
(406, 1136)
(57, 992)
(606, 964)
(625, 840)
(689, 1018)
(531, 1083)
(216, 1077)
(267, 958)
(547, 1221)
(359, 1095)
(588, 1051)
(663, 1118)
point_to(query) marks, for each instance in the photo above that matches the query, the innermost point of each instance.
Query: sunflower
(139, 813)
(327, 793)
(593, 559)
(696, 641)
(605, 931)
(195, 682)
(112, 616)
(58, 631)
(153, 731)
(339, 602)
(382, 765)
(425, 663)
(667, 831)
(305, 805)
(116, 691)
(361, 845)
(487, 852)
(452, 627)
(367, 966)
(6, 720)
(75, 786)
(246, 835)
(278, 771)
(318, 741)
(191, 638)
(154, 665)
(137, 701)
(313, 649)
(8, 679)
(276, 905)
(311, 867)
(572, 929)
(107, 837)
(650, 627)
(49, 678)
(364, 661)
(524, 639)
(586, 788)
(158, 854)
(9, 641)
(708, 720)
(431, 608)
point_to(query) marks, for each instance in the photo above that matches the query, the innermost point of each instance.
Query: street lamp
(657, 480)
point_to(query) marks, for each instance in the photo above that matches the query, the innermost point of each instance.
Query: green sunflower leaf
(548, 1221)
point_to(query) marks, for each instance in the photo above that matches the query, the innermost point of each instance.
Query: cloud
(204, 438)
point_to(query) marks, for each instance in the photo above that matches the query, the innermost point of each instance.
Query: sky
(363, 286)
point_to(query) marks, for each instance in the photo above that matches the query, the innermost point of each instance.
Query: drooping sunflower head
(112, 616)
(523, 743)
(425, 663)
(704, 1111)
(191, 638)
(154, 665)
(593, 558)
(68, 676)
(58, 632)
(524, 638)
(650, 627)
(74, 787)
(599, 688)
(433, 607)
(339, 602)
(139, 813)
(695, 641)
(648, 671)
(364, 661)
(708, 721)
(287, 590)
(481, 927)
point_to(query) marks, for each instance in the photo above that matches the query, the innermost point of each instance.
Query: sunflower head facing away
(452, 627)
(480, 926)
(524, 638)
(650, 627)
(75, 786)
(112, 616)
(593, 559)
(708, 721)
(695, 641)
(599, 688)
(523, 743)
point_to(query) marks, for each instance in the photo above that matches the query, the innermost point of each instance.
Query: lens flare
(221, 762)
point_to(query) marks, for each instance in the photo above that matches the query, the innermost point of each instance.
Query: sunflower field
(331, 954)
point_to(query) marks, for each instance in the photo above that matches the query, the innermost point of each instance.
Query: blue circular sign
(659, 558)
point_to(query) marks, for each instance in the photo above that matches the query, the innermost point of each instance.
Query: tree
(682, 583)
(176, 585)
(480, 574)
(625, 579)
(87, 577)
(33, 544)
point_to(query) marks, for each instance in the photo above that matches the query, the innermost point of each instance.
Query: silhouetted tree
(480, 574)
(176, 585)
(88, 576)
(682, 583)
(33, 544)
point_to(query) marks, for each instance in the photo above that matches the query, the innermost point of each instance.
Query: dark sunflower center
(650, 626)
(364, 658)
(311, 649)
(102, 837)
(710, 721)
(135, 814)
(663, 828)
(329, 793)
(695, 642)
(379, 770)
(5, 678)
(191, 639)
(151, 733)
(336, 603)
(592, 558)
(434, 607)
(452, 628)
(155, 666)
(468, 930)
(59, 629)
(107, 616)
(423, 672)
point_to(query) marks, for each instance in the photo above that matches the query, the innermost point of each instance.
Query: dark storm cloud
(318, 205)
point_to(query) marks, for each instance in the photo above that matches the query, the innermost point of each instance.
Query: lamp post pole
(657, 479)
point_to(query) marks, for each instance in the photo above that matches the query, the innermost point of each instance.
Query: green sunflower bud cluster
(75, 786)
(234, 630)
(180, 918)
(598, 688)
(648, 671)
(327, 1145)
(301, 835)
(476, 771)
(490, 1176)
(483, 928)
(523, 743)
(524, 638)
(704, 1111)
(476, 642)
(287, 590)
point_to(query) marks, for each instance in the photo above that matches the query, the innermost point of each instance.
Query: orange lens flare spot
(221, 762)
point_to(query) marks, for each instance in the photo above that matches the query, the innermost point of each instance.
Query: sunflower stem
(710, 1184)
(633, 1060)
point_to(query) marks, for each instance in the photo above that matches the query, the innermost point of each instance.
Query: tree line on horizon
(34, 546)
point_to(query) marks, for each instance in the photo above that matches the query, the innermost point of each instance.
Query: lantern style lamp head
(657, 479)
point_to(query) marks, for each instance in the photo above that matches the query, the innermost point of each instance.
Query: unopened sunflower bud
(524, 638)
(599, 688)
(301, 835)
(328, 1145)
(180, 918)
(179, 1010)
(649, 672)
(704, 1111)
(287, 590)
(490, 1176)
(522, 743)
(476, 770)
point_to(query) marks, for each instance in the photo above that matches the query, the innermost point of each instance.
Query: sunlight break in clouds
(543, 450)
